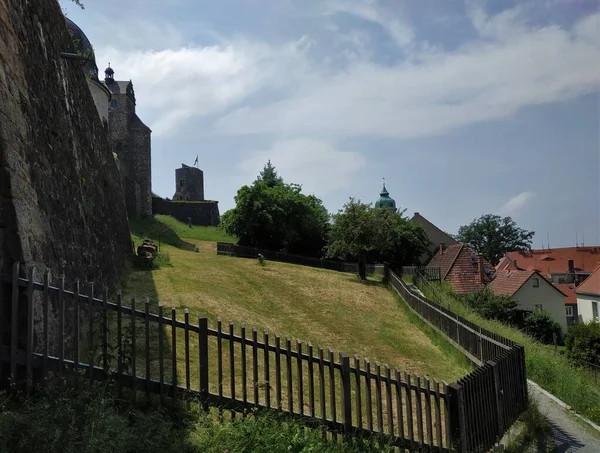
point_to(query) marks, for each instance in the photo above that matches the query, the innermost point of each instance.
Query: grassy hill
(325, 307)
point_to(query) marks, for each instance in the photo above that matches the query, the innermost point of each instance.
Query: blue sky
(465, 107)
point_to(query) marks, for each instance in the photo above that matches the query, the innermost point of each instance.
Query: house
(533, 292)
(460, 265)
(568, 289)
(588, 297)
(561, 265)
(436, 237)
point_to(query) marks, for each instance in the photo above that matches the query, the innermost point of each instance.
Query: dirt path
(569, 433)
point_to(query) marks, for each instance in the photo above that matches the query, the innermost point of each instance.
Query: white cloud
(436, 91)
(198, 81)
(517, 203)
(320, 167)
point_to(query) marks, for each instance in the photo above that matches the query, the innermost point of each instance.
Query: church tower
(385, 201)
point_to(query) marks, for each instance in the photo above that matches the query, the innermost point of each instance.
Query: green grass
(198, 233)
(63, 421)
(549, 369)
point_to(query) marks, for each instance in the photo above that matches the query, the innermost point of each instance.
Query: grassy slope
(544, 366)
(324, 307)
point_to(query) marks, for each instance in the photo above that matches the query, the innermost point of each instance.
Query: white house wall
(584, 306)
(551, 300)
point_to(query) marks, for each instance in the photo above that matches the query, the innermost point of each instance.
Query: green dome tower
(385, 201)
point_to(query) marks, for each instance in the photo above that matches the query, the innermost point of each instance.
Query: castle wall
(61, 200)
(189, 184)
(202, 213)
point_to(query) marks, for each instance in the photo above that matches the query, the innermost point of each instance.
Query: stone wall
(202, 213)
(61, 200)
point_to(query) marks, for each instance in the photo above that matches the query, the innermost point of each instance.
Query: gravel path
(569, 433)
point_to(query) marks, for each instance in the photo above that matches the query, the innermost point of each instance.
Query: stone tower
(189, 184)
(130, 141)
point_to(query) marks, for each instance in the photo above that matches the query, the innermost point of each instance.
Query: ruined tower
(189, 184)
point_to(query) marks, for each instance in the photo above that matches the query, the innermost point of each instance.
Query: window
(561, 280)
(181, 182)
(595, 311)
(537, 308)
(113, 103)
(536, 282)
(569, 311)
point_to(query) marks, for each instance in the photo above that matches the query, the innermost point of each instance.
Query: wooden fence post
(458, 429)
(203, 356)
(497, 391)
(346, 393)
(480, 345)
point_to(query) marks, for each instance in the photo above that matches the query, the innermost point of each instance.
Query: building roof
(84, 47)
(556, 261)
(118, 86)
(428, 226)
(591, 285)
(445, 259)
(459, 265)
(385, 201)
(507, 282)
(568, 289)
(137, 122)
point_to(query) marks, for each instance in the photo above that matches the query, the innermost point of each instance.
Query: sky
(465, 107)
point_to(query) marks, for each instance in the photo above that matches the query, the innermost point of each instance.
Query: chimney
(442, 247)
(515, 263)
(571, 266)
(481, 270)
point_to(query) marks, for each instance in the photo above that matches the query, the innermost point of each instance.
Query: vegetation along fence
(226, 248)
(431, 274)
(493, 396)
(55, 332)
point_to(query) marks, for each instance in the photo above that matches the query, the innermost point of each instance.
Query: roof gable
(507, 282)
(444, 259)
(459, 265)
(428, 226)
(591, 285)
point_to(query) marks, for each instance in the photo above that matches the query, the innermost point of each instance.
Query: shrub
(583, 342)
(492, 306)
(542, 327)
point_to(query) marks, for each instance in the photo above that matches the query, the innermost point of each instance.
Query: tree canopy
(493, 236)
(274, 215)
(360, 232)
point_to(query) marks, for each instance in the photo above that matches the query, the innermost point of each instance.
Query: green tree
(492, 306)
(269, 175)
(494, 236)
(360, 232)
(273, 215)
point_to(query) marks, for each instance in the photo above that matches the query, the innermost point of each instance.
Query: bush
(542, 327)
(492, 306)
(583, 342)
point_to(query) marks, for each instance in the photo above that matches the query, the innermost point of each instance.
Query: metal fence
(171, 357)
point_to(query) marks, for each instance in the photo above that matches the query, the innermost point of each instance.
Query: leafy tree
(360, 232)
(273, 215)
(583, 342)
(494, 236)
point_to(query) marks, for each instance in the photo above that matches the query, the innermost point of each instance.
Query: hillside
(325, 307)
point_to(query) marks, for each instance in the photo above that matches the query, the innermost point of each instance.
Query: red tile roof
(568, 289)
(591, 285)
(508, 282)
(445, 260)
(459, 266)
(555, 261)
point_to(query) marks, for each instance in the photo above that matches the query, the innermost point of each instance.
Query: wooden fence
(169, 358)
(492, 397)
(226, 248)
